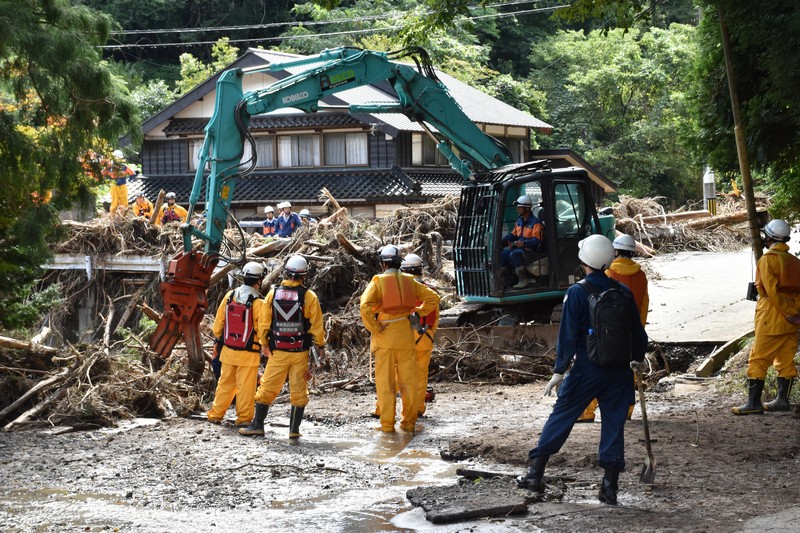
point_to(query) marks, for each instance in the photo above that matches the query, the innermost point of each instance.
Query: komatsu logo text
(294, 97)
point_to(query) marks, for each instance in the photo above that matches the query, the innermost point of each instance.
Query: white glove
(554, 383)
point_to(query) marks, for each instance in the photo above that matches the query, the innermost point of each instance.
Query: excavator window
(570, 209)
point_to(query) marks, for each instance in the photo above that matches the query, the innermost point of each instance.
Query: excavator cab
(564, 204)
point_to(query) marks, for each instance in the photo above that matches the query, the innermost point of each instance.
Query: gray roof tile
(188, 126)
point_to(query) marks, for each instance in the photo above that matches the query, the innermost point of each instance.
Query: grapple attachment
(184, 296)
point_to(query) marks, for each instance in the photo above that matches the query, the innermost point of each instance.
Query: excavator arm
(422, 98)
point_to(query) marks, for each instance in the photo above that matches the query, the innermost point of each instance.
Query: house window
(425, 153)
(195, 146)
(265, 152)
(298, 151)
(345, 149)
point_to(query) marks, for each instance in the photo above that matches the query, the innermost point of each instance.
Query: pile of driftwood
(107, 372)
(685, 229)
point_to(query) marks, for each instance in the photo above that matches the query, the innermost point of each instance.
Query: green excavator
(492, 182)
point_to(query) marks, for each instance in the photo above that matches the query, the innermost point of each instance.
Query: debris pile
(685, 229)
(95, 374)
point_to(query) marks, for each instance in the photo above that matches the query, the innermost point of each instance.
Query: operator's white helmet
(596, 251)
(389, 253)
(777, 230)
(297, 265)
(411, 261)
(118, 154)
(253, 269)
(284, 204)
(170, 195)
(304, 213)
(625, 243)
(269, 209)
(524, 201)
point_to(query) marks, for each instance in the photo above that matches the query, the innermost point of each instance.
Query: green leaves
(57, 97)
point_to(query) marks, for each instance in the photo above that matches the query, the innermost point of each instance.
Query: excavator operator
(522, 243)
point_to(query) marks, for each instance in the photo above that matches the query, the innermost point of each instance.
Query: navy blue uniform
(613, 387)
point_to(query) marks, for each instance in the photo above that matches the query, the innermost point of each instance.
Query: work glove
(554, 383)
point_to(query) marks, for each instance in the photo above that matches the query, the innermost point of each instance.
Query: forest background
(637, 87)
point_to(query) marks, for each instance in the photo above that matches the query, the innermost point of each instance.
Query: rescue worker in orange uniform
(142, 207)
(270, 225)
(117, 171)
(629, 273)
(386, 307)
(777, 321)
(524, 241)
(171, 211)
(424, 331)
(236, 327)
(289, 326)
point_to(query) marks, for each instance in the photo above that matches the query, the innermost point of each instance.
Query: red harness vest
(239, 332)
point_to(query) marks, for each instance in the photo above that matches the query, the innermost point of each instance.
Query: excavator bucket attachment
(185, 301)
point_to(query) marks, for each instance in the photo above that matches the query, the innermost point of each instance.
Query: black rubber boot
(781, 401)
(256, 427)
(534, 479)
(753, 406)
(608, 487)
(295, 417)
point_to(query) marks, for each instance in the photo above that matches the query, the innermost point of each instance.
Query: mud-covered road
(715, 472)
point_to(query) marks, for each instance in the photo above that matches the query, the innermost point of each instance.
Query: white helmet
(118, 154)
(389, 253)
(304, 213)
(596, 251)
(284, 204)
(268, 209)
(777, 230)
(170, 195)
(253, 269)
(524, 201)
(411, 261)
(296, 266)
(625, 243)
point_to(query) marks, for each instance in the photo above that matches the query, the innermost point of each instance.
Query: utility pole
(741, 147)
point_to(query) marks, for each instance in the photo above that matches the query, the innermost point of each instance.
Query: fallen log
(33, 390)
(719, 220)
(353, 249)
(157, 206)
(8, 342)
(668, 218)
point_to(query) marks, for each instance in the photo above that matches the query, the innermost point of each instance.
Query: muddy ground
(714, 471)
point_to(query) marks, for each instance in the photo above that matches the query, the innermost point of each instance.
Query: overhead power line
(321, 35)
(268, 25)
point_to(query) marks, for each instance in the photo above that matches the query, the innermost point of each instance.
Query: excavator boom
(422, 98)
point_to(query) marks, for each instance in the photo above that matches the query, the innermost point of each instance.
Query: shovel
(649, 470)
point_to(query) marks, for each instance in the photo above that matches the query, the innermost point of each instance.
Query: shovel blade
(648, 474)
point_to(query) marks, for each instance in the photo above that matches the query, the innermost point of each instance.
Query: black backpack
(613, 321)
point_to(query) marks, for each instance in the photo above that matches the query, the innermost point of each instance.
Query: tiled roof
(356, 186)
(437, 183)
(184, 126)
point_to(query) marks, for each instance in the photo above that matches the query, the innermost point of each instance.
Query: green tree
(767, 75)
(152, 97)
(57, 98)
(194, 71)
(618, 99)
